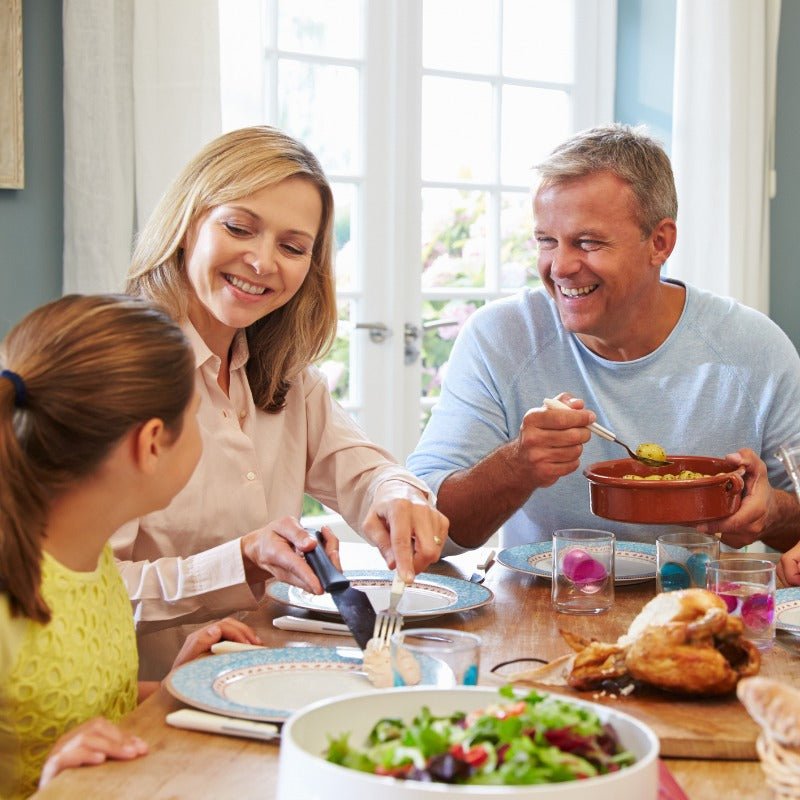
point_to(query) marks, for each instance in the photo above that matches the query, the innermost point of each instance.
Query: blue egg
(696, 564)
(471, 675)
(674, 576)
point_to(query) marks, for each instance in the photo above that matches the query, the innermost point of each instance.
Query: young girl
(97, 426)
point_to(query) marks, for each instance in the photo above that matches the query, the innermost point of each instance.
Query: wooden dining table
(707, 744)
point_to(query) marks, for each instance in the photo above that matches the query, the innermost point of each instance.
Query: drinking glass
(436, 657)
(583, 571)
(747, 585)
(681, 559)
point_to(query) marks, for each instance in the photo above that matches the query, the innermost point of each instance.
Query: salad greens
(533, 739)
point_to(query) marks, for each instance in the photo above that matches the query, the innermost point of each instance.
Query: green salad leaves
(520, 740)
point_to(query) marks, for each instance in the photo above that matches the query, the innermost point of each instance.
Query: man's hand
(92, 742)
(276, 551)
(752, 519)
(789, 566)
(551, 440)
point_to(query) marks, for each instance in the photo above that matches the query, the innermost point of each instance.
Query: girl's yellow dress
(82, 664)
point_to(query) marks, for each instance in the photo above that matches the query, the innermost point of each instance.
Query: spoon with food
(650, 454)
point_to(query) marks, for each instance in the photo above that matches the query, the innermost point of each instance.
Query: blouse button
(251, 476)
(242, 414)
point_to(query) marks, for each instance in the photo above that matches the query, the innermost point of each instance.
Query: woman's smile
(249, 257)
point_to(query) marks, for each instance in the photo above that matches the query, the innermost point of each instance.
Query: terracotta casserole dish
(664, 501)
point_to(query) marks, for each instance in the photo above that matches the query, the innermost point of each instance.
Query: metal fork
(390, 621)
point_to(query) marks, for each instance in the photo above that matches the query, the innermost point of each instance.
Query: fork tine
(398, 625)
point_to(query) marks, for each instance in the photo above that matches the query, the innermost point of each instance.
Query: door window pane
(344, 196)
(460, 35)
(437, 339)
(320, 27)
(456, 130)
(538, 40)
(534, 121)
(454, 228)
(336, 364)
(318, 104)
(517, 245)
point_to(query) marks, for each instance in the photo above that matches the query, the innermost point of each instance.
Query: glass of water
(747, 585)
(583, 571)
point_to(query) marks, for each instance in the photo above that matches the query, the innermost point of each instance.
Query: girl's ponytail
(22, 516)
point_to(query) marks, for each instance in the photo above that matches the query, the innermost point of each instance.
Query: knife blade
(482, 568)
(354, 606)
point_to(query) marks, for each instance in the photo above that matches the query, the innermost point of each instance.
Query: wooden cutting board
(712, 728)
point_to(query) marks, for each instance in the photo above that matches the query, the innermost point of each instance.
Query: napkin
(216, 723)
(668, 787)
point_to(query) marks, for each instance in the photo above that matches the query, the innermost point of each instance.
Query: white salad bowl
(304, 774)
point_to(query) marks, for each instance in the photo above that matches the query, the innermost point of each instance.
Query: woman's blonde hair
(84, 371)
(234, 166)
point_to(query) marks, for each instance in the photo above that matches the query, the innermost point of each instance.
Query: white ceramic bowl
(304, 774)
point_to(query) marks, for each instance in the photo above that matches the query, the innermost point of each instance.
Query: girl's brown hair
(233, 166)
(93, 368)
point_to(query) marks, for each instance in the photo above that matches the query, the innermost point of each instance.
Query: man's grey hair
(627, 152)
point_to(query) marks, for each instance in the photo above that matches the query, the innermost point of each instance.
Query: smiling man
(648, 357)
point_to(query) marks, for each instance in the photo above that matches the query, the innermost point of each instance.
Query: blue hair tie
(20, 390)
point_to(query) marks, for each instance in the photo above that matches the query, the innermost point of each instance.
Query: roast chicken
(682, 641)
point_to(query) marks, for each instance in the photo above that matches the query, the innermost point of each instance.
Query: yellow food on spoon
(655, 452)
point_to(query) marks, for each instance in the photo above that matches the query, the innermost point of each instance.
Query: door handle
(378, 332)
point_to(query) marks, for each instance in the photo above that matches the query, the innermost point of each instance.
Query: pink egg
(581, 568)
(726, 592)
(758, 611)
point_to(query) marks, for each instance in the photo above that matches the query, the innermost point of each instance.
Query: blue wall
(645, 62)
(32, 219)
(785, 211)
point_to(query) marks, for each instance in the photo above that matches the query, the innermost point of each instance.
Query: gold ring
(437, 540)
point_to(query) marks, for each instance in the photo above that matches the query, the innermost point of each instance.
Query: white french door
(427, 116)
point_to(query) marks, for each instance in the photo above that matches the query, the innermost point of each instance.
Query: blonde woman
(240, 252)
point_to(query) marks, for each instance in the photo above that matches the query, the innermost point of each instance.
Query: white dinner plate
(634, 562)
(429, 596)
(268, 684)
(787, 610)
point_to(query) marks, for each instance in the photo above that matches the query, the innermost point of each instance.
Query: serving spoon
(605, 433)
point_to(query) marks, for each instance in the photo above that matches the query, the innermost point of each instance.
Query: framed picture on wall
(12, 157)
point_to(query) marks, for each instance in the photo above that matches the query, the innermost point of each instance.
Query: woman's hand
(276, 550)
(92, 742)
(200, 641)
(406, 528)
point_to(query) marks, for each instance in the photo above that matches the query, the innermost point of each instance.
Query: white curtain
(141, 96)
(723, 144)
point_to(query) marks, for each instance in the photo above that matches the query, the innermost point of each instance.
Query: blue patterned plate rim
(465, 595)
(787, 600)
(519, 558)
(194, 683)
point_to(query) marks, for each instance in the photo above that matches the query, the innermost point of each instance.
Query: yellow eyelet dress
(82, 664)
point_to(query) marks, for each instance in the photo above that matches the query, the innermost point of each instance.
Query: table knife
(482, 568)
(354, 606)
(290, 623)
(217, 723)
